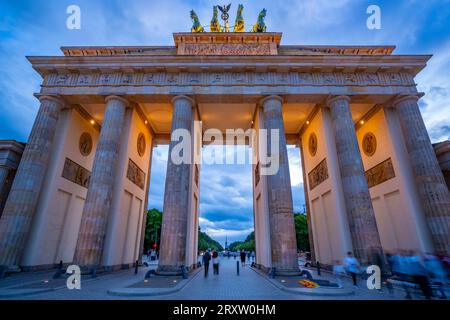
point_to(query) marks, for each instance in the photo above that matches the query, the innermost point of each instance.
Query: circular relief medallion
(141, 144)
(85, 144)
(369, 144)
(312, 144)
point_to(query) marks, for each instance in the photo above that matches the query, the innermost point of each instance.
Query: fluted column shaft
(24, 194)
(360, 212)
(4, 171)
(176, 196)
(430, 182)
(91, 237)
(281, 215)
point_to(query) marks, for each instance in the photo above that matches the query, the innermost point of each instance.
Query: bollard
(136, 266)
(60, 264)
(237, 267)
(318, 268)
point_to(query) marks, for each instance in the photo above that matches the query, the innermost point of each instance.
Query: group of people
(214, 257)
(408, 267)
(207, 257)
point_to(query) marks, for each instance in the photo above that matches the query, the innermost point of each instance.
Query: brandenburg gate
(371, 178)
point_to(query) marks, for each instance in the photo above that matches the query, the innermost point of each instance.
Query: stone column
(281, 215)
(91, 237)
(430, 182)
(360, 213)
(23, 198)
(4, 171)
(176, 196)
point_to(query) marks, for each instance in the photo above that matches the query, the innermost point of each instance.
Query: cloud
(226, 205)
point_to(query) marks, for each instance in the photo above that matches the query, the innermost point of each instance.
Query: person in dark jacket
(206, 259)
(243, 257)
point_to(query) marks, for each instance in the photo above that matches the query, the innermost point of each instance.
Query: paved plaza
(248, 285)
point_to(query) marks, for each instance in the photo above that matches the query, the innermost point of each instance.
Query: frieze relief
(135, 174)
(75, 173)
(380, 173)
(318, 175)
(230, 78)
(229, 49)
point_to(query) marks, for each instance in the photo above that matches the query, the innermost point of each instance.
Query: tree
(247, 245)
(301, 230)
(206, 242)
(153, 229)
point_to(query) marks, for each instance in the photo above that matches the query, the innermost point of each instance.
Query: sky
(39, 28)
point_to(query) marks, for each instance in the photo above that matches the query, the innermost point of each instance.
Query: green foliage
(301, 230)
(152, 229)
(206, 242)
(248, 244)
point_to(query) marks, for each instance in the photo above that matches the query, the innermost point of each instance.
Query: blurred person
(215, 262)
(242, 257)
(206, 259)
(417, 271)
(376, 258)
(352, 267)
(437, 273)
(338, 272)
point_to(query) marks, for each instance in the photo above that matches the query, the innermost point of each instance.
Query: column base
(169, 271)
(10, 269)
(287, 272)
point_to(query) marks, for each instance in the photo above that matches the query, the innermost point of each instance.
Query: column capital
(270, 97)
(122, 99)
(332, 99)
(407, 97)
(56, 98)
(182, 96)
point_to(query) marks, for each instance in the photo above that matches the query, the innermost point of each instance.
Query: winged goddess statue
(225, 16)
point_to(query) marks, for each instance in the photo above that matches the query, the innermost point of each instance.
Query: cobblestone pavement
(225, 286)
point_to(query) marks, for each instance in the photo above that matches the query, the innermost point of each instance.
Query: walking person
(206, 259)
(215, 261)
(437, 273)
(339, 273)
(352, 266)
(243, 258)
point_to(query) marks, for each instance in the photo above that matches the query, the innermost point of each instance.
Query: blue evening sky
(39, 28)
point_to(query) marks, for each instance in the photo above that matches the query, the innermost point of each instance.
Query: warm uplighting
(146, 122)
(92, 122)
(307, 122)
(362, 122)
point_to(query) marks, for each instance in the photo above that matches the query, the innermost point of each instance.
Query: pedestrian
(153, 255)
(338, 272)
(243, 258)
(377, 259)
(419, 274)
(206, 259)
(215, 261)
(352, 267)
(437, 273)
